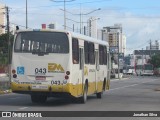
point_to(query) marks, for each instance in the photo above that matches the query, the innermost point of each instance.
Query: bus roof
(73, 34)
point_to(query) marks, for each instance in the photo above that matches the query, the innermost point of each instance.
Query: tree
(4, 42)
(4, 48)
(155, 60)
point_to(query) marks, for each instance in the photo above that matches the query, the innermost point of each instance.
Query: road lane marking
(8, 94)
(125, 87)
(23, 108)
(119, 79)
(132, 85)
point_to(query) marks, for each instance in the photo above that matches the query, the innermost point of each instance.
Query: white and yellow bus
(52, 63)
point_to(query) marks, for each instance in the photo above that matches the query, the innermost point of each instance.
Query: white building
(114, 36)
(92, 27)
(2, 18)
(141, 57)
(123, 47)
(154, 46)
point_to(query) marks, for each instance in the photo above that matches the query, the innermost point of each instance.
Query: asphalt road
(130, 94)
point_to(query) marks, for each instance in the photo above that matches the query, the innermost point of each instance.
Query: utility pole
(9, 43)
(118, 54)
(142, 57)
(150, 47)
(26, 15)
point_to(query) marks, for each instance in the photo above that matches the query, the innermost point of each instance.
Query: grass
(5, 91)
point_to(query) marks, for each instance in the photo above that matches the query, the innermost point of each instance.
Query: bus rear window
(46, 42)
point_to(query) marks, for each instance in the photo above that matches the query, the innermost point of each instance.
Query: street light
(64, 10)
(80, 16)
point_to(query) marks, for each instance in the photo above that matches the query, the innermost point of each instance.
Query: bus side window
(101, 55)
(75, 51)
(49, 48)
(42, 47)
(105, 56)
(86, 52)
(91, 53)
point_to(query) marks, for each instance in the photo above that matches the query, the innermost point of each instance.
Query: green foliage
(4, 41)
(4, 47)
(155, 60)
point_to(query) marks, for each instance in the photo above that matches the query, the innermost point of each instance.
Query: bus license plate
(44, 87)
(40, 78)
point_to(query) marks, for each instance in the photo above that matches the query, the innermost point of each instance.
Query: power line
(66, 4)
(37, 13)
(19, 25)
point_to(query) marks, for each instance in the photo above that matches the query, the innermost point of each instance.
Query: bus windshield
(148, 67)
(41, 42)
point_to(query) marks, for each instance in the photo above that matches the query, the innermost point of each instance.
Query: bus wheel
(99, 95)
(34, 98)
(83, 99)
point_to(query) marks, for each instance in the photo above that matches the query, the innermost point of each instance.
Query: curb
(5, 91)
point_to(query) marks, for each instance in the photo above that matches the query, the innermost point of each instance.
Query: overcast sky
(140, 18)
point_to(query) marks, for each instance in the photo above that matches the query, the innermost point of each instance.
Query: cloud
(139, 28)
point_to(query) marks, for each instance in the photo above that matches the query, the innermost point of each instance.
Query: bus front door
(97, 70)
(81, 67)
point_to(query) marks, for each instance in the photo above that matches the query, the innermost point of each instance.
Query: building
(2, 18)
(92, 27)
(153, 46)
(115, 38)
(123, 47)
(141, 57)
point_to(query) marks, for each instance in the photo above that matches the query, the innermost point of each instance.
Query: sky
(140, 19)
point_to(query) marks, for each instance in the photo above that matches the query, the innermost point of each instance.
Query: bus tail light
(68, 72)
(14, 76)
(66, 77)
(13, 71)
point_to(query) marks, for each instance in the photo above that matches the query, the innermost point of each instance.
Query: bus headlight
(66, 77)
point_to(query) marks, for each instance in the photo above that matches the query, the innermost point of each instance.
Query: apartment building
(2, 18)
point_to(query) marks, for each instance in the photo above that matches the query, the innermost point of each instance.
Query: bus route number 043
(57, 82)
(40, 70)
